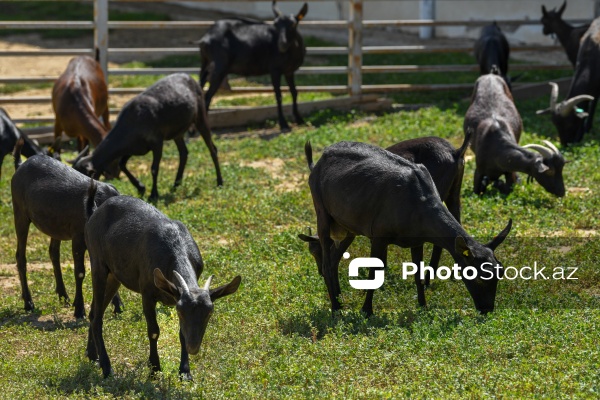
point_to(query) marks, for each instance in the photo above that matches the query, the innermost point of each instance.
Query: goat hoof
(141, 190)
(106, 374)
(185, 376)
(219, 182)
(29, 306)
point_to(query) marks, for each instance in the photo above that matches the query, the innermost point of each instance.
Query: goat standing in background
(79, 99)
(132, 243)
(574, 116)
(446, 167)
(568, 36)
(51, 195)
(497, 124)
(492, 52)
(248, 47)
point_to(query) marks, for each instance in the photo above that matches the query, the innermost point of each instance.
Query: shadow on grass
(87, 379)
(317, 323)
(36, 320)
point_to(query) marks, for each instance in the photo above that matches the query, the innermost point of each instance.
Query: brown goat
(79, 98)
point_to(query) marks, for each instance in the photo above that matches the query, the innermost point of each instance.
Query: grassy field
(276, 338)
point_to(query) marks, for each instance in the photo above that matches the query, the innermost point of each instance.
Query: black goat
(492, 51)
(446, 167)
(10, 134)
(497, 124)
(359, 189)
(571, 121)
(568, 36)
(249, 48)
(134, 244)
(51, 195)
(164, 111)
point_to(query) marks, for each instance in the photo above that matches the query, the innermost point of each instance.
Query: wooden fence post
(355, 47)
(101, 34)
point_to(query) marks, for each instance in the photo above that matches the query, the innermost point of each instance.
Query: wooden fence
(355, 25)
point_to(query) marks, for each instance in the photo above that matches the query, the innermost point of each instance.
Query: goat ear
(165, 285)
(226, 290)
(300, 16)
(544, 12)
(461, 247)
(541, 167)
(307, 238)
(497, 240)
(562, 8)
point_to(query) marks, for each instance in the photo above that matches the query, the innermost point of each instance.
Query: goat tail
(308, 154)
(90, 201)
(460, 152)
(17, 152)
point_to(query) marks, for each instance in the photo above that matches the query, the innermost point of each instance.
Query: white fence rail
(101, 26)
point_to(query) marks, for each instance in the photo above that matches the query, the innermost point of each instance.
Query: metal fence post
(355, 47)
(101, 34)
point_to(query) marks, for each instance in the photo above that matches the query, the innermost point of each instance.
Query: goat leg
(149, 307)
(436, 253)
(156, 157)
(134, 181)
(417, 256)
(292, 85)
(184, 365)
(79, 249)
(60, 290)
(202, 126)
(22, 228)
(378, 250)
(276, 81)
(183, 156)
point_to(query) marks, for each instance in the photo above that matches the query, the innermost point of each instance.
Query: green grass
(275, 338)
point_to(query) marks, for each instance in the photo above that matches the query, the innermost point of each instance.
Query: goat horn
(568, 105)
(276, 9)
(544, 151)
(182, 283)
(551, 146)
(208, 282)
(553, 95)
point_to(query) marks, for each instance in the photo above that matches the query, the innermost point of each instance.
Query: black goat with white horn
(497, 124)
(132, 243)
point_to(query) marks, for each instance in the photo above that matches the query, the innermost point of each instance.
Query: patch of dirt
(276, 167)
(9, 275)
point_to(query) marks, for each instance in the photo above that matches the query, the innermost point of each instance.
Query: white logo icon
(366, 262)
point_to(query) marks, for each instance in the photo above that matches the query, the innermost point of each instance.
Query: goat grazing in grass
(446, 167)
(568, 36)
(79, 99)
(249, 48)
(574, 116)
(10, 134)
(52, 196)
(164, 111)
(497, 124)
(359, 189)
(132, 243)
